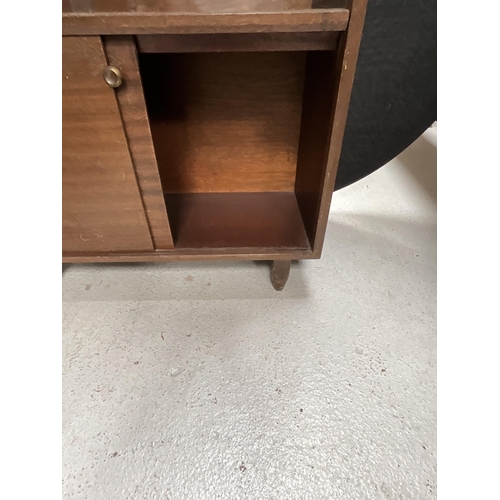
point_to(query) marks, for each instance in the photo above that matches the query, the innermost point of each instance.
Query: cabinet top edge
(142, 23)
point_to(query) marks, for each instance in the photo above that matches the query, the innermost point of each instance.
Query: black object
(394, 95)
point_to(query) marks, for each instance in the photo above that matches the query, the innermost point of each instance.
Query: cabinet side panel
(345, 69)
(317, 113)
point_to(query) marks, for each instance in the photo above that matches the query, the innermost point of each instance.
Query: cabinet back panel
(225, 122)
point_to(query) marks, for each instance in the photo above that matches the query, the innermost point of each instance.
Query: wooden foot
(279, 273)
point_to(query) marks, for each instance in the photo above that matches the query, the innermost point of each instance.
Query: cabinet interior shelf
(236, 220)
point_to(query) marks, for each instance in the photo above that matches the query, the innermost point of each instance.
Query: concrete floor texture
(194, 381)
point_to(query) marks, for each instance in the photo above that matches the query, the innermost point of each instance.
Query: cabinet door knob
(113, 76)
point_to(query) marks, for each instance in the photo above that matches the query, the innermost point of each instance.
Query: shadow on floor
(208, 280)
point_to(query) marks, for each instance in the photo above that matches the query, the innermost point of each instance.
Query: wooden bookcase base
(222, 142)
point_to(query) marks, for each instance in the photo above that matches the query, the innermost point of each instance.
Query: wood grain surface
(239, 42)
(317, 116)
(194, 254)
(121, 53)
(199, 6)
(225, 122)
(102, 208)
(143, 23)
(345, 70)
(232, 220)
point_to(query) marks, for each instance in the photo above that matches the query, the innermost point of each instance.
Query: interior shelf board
(236, 220)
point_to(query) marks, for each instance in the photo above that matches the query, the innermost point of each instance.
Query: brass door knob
(113, 76)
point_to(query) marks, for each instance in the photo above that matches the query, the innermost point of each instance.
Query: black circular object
(394, 94)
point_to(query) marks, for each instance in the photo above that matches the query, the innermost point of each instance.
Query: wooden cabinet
(221, 142)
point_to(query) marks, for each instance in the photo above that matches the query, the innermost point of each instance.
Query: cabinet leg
(279, 273)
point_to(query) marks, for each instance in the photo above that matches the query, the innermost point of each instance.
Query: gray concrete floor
(194, 381)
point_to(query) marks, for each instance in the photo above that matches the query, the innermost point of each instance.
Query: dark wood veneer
(223, 139)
